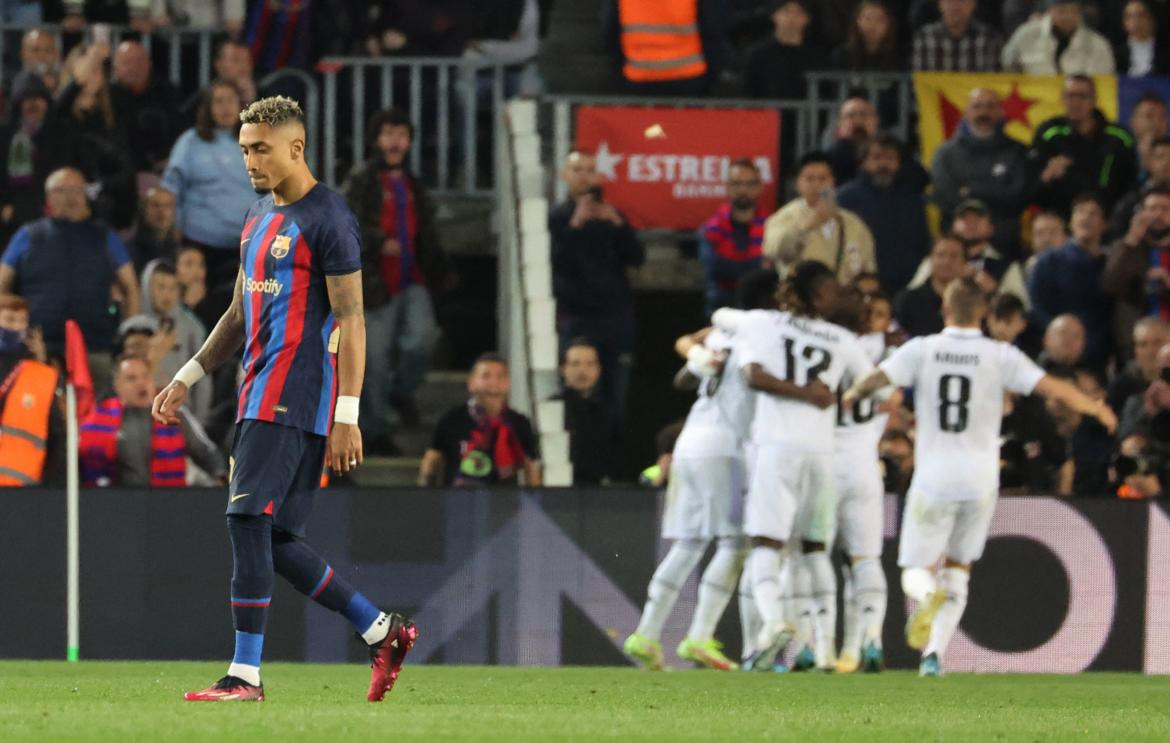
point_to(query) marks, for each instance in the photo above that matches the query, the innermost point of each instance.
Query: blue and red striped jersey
(290, 345)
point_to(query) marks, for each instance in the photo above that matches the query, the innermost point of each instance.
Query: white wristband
(191, 373)
(699, 360)
(346, 410)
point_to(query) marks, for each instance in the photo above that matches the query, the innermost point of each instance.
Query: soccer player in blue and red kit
(297, 311)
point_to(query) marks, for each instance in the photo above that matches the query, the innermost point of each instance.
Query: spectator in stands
(1068, 280)
(1158, 162)
(587, 419)
(857, 123)
(1148, 122)
(894, 213)
(813, 227)
(402, 263)
(146, 104)
(776, 67)
(1137, 272)
(871, 44)
(981, 162)
(987, 263)
(1090, 447)
(919, 310)
(32, 449)
(1143, 464)
(1059, 43)
(40, 56)
(1015, 13)
(509, 37)
(100, 147)
(483, 441)
(665, 47)
(1149, 335)
(34, 143)
(65, 265)
(232, 64)
(122, 446)
(1064, 346)
(1139, 54)
(191, 271)
(958, 42)
(1032, 451)
(1048, 231)
(161, 300)
(210, 183)
(731, 242)
(156, 235)
(1007, 318)
(1082, 151)
(592, 247)
(424, 27)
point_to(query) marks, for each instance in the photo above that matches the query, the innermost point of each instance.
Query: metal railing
(443, 97)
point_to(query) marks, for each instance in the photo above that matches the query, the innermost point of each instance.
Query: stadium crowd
(121, 197)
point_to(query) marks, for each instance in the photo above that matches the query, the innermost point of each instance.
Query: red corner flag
(77, 369)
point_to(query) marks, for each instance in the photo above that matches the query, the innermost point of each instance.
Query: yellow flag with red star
(1028, 100)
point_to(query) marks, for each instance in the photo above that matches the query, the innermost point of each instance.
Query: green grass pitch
(141, 701)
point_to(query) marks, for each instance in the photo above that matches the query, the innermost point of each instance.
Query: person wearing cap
(1058, 43)
(1082, 151)
(34, 143)
(982, 162)
(1067, 280)
(892, 208)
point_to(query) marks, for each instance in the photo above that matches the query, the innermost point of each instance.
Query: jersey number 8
(954, 392)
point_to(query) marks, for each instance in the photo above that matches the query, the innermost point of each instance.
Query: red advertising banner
(666, 167)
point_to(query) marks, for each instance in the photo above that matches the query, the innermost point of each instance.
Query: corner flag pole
(72, 530)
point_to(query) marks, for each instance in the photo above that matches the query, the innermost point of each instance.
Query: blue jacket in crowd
(897, 218)
(1068, 280)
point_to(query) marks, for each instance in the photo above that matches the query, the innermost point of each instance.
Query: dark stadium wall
(545, 577)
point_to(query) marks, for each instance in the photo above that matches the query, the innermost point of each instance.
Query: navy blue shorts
(276, 470)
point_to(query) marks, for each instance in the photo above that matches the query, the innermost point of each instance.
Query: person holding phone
(592, 246)
(813, 227)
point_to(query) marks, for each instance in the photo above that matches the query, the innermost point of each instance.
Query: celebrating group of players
(790, 411)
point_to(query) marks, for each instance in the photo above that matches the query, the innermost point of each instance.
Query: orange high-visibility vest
(24, 424)
(660, 40)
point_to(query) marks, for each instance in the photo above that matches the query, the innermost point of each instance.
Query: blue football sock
(252, 575)
(297, 563)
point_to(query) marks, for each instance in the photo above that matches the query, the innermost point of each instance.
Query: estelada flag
(1028, 101)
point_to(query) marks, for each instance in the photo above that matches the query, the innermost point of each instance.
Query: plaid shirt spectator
(977, 50)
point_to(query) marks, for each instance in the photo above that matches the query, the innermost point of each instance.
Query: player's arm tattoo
(228, 334)
(345, 298)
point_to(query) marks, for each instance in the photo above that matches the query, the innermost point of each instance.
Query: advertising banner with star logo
(1028, 100)
(666, 167)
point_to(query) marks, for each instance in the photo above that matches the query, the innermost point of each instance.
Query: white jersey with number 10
(959, 379)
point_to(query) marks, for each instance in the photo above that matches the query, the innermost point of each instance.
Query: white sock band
(251, 674)
(716, 587)
(666, 583)
(347, 409)
(869, 597)
(953, 582)
(190, 373)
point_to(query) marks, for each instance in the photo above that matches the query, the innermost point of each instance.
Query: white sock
(251, 674)
(715, 588)
(953, 582)
(802, 602)
(918, 583)
(764, 563)
(750, 621)
(666, 583)
(376, 632)
(851, 636)
(824, 599)
(869, 597)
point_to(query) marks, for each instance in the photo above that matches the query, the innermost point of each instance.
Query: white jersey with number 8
(959, 379)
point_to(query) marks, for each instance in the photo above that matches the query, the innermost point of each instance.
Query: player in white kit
(792, 494)
(704, 497)
(959, 379)
(860, 495)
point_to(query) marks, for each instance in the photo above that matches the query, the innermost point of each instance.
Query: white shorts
(932, 530)
(860, 497)
(792, 496)
(704, 498)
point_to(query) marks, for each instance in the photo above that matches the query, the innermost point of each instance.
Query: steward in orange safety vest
(28, 394)
(660, 40)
